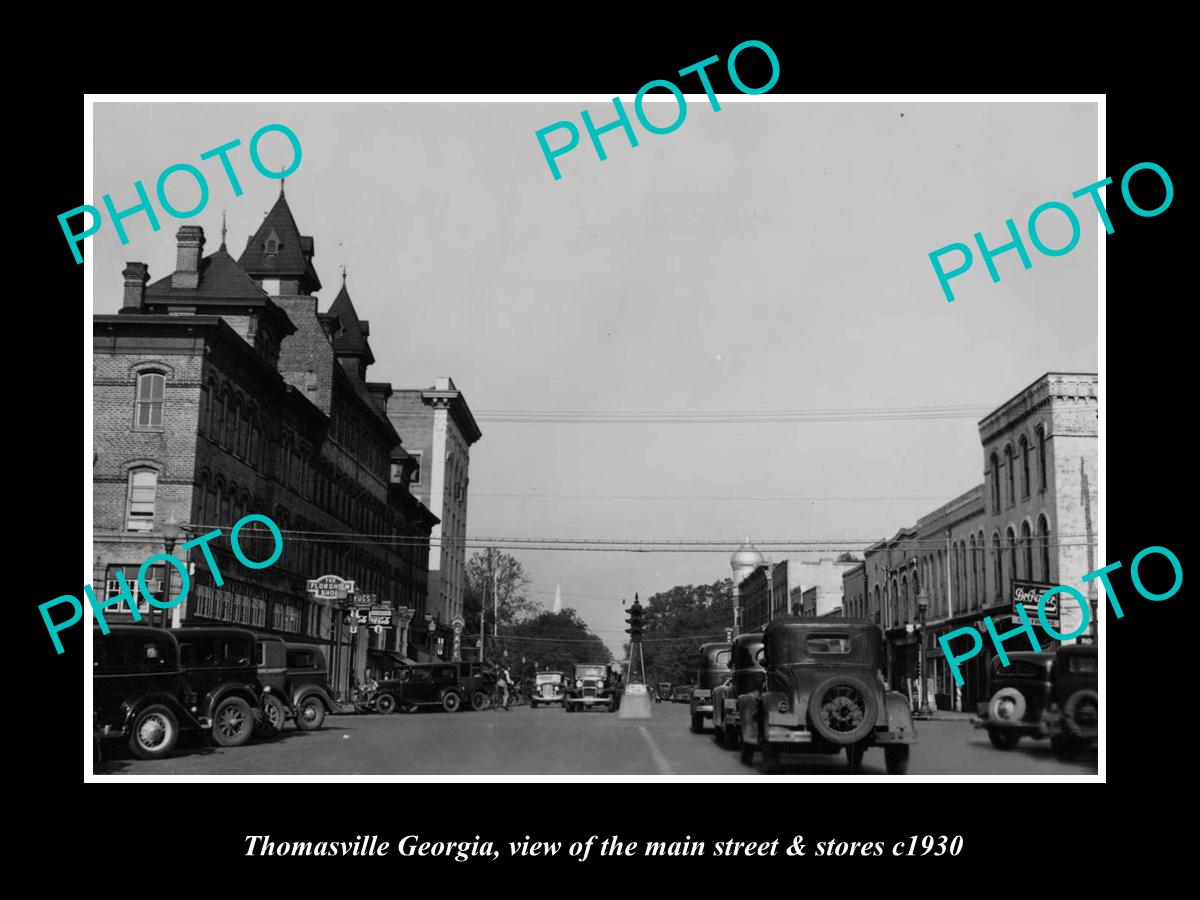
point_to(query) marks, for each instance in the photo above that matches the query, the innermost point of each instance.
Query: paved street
(524, 741)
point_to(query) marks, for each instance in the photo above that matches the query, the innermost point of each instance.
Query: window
(1027, 542)
(1008, 462)
(1025, 480)
(827, 643)
(272, 245)
(998, 564)
(143, 484)
(416, 478)
(1041, 437)
(981, 593)
(995, 483)
(969, 601)
(205, 406)
(1012, 553)
(148, 412)
(1044, 546)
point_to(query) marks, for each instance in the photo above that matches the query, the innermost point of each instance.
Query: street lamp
(171, 532)
(922, 606)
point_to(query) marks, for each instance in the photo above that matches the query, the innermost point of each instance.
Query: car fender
(748, 718)
(899, 713)
(224, 691)
(130, 709)
(314, 691)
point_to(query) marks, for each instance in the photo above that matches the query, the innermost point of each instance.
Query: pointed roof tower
(350, 344)
(278, 250)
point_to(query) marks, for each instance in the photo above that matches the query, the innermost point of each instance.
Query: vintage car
(714, 669)
(1018, 694)
(745, 677)
(219, 665)
(271, 659)
(824, 693)
(476, 682)
(138, 690)
(548, 688)
(1073, 713)
(426, 684)
(593, 688)
(308, 685)
(682, 693)
(664, 690)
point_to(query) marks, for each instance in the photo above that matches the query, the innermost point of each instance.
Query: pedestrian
(503, 684)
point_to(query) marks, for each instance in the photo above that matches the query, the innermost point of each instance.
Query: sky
(769, 256)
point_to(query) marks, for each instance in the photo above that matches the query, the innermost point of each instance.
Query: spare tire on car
(843, 709)
(1007, 705)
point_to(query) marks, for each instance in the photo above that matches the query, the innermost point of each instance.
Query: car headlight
(783, 706)
(266, 689)
(579, 682)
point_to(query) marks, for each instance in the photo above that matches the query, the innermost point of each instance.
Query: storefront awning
(392, 656)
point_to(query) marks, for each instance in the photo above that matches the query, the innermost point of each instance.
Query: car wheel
(233, 723)
(479, 700)
(1007, 705)
(155, 731)
(843, 709)
(697, 723)
(896, 759)
(385, 704)
(451, 701)
(274, 716)
(1065, 747)
(1081, 713)
(310, 715)
(854, 758)
(1003, 738)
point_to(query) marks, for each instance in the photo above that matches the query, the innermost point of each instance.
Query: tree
(492, 574)
(554, 641)
(678, 621)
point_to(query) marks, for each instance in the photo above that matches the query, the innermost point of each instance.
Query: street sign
(368, 599)
(330, 587)
(1027, 594)
(380, 617)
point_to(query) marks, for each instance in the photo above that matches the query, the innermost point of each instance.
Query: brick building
(439, 430)
(1031, 524)
(220, 390)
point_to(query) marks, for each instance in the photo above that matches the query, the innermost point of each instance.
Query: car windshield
(589, 671)
(1083, 664)
(549, 678)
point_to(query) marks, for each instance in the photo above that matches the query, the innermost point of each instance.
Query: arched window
(1012, 554)
(222, 413)
(1025, 480)
(1027, 542)
(877, 606)
(998, 566)
(981, 594)
(969, 600)
(1044, 546)
(143, 487)
(206, 400)
(904, 610)
(916, 595)
(1011, 476)
(1041, 451)
(995, 466)
(148, 410)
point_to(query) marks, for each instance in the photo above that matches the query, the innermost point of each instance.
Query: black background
(1059, 831)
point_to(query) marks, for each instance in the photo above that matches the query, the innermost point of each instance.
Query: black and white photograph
(687, 436)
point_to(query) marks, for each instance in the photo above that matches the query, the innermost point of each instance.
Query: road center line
(664, 767)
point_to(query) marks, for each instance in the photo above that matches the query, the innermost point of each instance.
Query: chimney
(190, 243)
(136, 275)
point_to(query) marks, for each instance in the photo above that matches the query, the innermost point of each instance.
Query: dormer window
(272, 244)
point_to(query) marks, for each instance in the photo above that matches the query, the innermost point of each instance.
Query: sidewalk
(947, 715)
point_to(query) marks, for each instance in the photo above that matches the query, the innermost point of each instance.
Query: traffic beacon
(635, 704)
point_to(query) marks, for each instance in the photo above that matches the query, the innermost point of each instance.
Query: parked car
(824, 693)
(308, 685)
(746, 676)
(219, 665)
(682, 693)
(714, 668)
(476, 682)
(271, 659)
(426, 684)
(138, 691)
(664, 690)
(1018, 694)
(1073, 713)
(593, 688)
(548, 688)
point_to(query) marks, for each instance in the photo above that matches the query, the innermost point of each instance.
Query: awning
(392, 656)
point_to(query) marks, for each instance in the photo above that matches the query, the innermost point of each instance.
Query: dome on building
(746, 557)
